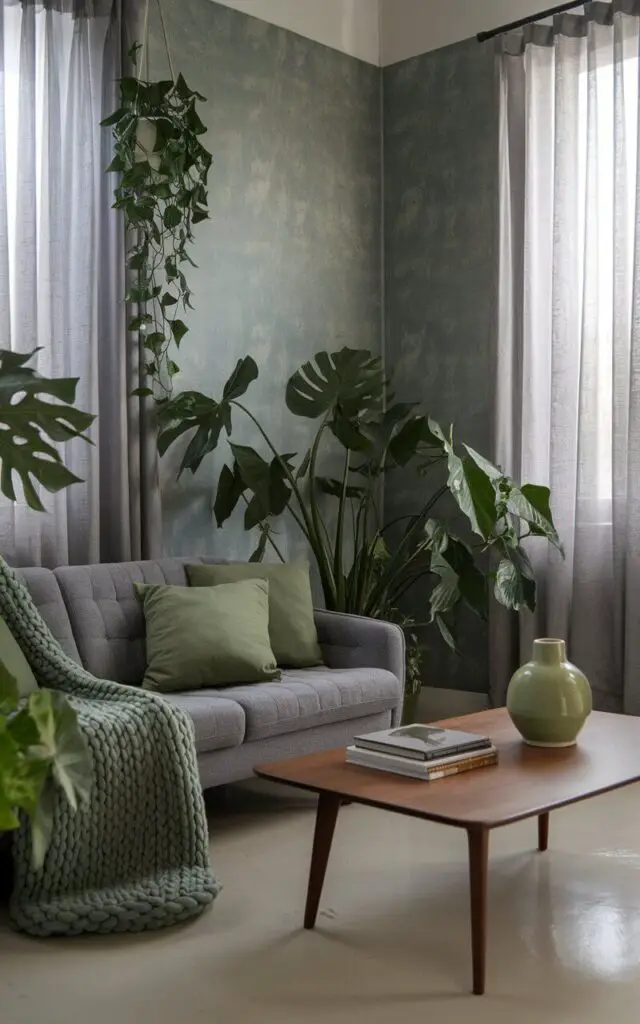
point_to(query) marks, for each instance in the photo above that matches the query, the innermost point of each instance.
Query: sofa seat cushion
(218, 723)
(306, 698)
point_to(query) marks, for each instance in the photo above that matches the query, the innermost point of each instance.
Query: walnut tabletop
(527, 781)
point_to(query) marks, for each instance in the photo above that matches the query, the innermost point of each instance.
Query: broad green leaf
(471, 581)
(42, 825)
(228, 494)
(22, 775)
(411, 439)
(267, 482)
(349, 382)
(61, 741)
(8, 819)
(259, 553)
(446, 594)
(349, 434)
(178, 330)
(9, 694)
(493, 472)
(168, 300)
(437, 534)
(446, 633)
(536, 513)
(22, 728)
(142, 392)
(255, 473)
(172, 216)
(27, 419)
(191, 410)
(512, 589)
(115, 117)
(474, 493)
(245, 373)
(303, 468)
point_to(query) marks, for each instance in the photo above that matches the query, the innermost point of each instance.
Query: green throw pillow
(214, 637)
(15, 662)
(292, 626)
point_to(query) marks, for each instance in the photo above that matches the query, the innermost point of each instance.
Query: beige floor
(392, 938)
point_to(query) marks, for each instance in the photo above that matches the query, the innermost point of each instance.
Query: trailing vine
(162, 192)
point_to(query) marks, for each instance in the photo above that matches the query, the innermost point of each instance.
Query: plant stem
(338, 567)
(304, 520)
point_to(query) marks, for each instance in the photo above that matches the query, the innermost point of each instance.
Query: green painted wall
(441, 173)
(290, 262)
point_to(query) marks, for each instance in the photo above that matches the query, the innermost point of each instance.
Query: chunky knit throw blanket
(136, 856)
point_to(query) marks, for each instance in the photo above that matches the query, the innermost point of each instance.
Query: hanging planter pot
(162, 192)
(146, 139)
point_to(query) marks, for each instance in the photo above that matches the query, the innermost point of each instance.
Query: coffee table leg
(478, 869)
(543, 832)
(328, 807)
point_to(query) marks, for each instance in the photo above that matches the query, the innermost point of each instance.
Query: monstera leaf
(27, 420)
(346, 386)
(192, 410)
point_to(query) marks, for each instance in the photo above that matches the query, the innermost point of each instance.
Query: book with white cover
(419, 769)
(422, 742)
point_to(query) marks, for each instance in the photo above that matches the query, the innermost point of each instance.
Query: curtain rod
(560, 9)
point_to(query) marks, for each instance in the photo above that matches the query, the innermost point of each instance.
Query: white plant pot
(146, 135)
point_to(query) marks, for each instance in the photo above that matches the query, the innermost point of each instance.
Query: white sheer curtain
(62, 274)
(569, 333)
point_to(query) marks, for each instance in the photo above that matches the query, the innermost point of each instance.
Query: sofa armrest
(352, 641)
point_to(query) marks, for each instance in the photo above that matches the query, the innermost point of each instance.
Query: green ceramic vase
(549, 699)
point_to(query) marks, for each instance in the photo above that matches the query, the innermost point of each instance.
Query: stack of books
(422, 751)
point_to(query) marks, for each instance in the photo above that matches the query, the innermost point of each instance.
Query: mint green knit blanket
(136, 856)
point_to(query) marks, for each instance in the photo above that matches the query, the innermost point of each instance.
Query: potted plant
(162, 191)
(366, 566)
(40, 743)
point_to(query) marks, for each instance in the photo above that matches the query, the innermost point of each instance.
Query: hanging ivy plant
(163, 193)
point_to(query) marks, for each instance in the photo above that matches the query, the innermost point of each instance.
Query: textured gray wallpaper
(441, 172)
(289, 263)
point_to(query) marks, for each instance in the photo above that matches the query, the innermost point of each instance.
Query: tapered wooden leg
(478, 869)
(328, 807)
(543, 832)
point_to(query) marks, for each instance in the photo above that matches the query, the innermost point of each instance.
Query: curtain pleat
(568, 410)
(62, 283)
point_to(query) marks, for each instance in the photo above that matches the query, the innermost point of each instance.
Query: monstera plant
(367, 565)
(40, 743)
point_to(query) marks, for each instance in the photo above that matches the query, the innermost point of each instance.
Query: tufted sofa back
(106, 615)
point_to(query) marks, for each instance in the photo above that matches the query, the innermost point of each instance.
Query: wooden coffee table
(527, 782)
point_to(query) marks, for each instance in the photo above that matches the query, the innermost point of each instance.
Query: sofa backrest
(106, 615)
(46, 595)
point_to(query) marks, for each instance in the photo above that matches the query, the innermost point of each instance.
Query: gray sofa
(93, 612)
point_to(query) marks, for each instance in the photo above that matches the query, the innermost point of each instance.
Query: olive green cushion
(15, 662)
(209, 637)
(292, 627)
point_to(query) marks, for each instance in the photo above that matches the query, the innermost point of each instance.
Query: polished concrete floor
(392, 937)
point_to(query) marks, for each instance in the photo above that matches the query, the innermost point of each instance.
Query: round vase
(549, 699)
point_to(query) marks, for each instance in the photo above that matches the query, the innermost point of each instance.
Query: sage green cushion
(15, 662)
(292, 627)
(213, 637)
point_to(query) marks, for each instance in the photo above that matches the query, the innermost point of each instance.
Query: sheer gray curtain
(62, 276)
(569, 334)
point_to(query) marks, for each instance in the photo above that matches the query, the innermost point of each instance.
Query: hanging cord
(166, 40)
(144, 56)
